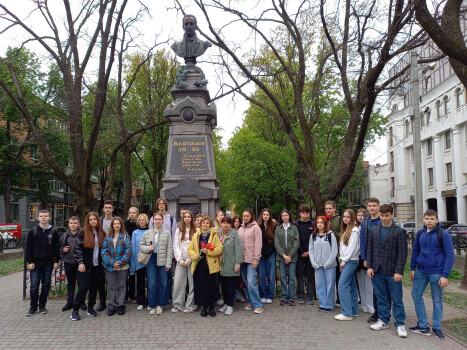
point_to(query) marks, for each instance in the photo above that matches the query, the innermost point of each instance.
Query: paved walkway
(299, 327)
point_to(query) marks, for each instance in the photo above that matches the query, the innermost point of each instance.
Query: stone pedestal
(190, 176)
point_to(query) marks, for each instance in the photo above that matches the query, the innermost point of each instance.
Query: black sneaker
(67, 307)
(75, 316)
(439, 334)
(373, 318)
(310, 301)
(92, 312)
(420, 330)
(121, 310)
(42, 310)
(101, 307)
(328, 310)
(110, 312)
(84, 306)
(321, 309)
(31, 312)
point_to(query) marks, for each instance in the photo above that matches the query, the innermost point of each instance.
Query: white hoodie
(351, 251)
(181, 247)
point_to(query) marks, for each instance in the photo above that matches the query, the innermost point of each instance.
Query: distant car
(410, 228)
(458, 234)
(446, 224)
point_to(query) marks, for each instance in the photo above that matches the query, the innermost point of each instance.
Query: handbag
(143, 258)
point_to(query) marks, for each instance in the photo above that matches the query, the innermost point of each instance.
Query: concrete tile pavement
(298, 327)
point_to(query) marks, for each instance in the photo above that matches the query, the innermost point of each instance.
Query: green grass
(456, 328)
(10, 266)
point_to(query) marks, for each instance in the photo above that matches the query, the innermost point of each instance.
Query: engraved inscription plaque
(189, 156)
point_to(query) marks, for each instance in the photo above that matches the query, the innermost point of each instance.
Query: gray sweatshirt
(323, 254)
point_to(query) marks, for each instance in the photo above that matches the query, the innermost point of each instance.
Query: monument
(190, 176)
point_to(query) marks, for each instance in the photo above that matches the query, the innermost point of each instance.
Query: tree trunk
(464, 279)
(128, 182)
(7, 198)
(83, 203)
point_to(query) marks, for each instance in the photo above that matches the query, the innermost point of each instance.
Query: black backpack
(328, 235)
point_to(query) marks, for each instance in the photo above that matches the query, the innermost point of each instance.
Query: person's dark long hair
(251, 214)
(88, 240)
(269, 225)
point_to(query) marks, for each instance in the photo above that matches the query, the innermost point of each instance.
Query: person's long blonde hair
(346, 230)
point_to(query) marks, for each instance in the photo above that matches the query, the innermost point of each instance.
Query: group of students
(188, 262)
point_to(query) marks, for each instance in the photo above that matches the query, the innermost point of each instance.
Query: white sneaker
(158, 310)
(401, 332)
(379, 325)
(220, 302)
(268, 301)
(223, 308)
(341, 317)
(228, 311)
(258, 310)
(152, 311)
(149, 309)
(174, 309)
(140, 307)
(263, 300)
(187, 311)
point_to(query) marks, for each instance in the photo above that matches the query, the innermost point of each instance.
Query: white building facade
(443, 142)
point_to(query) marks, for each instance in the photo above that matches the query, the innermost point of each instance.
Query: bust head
(189, 24)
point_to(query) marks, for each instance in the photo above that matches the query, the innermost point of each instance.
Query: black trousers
(338, 276)
(70, 271)
(84, 279)
(305, 273)
(100, 287)
(228, 289)
(141, 286)
(130, 287)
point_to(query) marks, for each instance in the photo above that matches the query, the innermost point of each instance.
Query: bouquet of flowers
(201, 254)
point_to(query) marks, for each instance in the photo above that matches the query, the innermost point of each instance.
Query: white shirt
(286, 228)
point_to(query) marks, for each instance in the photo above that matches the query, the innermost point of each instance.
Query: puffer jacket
(212, 256)
(164, 246)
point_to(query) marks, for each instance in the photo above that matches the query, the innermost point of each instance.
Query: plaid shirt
(121, 253)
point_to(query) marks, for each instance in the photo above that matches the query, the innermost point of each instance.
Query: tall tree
(85, 31)
(287, 33)
(446, 31)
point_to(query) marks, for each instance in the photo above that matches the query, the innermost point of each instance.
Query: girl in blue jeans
(158, 242)
(349, 250)
(267, 264)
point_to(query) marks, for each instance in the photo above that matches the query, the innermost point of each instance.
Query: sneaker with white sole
(420, 330)
(140, 307)
(401, 332)
(187, 311)
(263, 300)
(258, 310)
(220, 302)
(223, 308)
(174, 309)
(158, 310)
(341, 317)
(152, 311)
(228, 311)
(248, 307)
(268, 301)
(149, 309)
(379, 325)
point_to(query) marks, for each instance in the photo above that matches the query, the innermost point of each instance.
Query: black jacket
(130, 226)
(268, 248)
(305, 229)
(85, 255)
(44, 246)
(389, 256)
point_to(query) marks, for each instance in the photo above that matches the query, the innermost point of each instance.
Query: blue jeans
(388, 291)
(249, 277)
(348, 293)
(41, 274)
(287, 287)
(267, 277)
(157, 283)
(325, 280)
(419, 284)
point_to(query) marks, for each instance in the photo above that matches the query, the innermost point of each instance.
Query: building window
(411, 124)
(394, 107)
(391, 161)
(391, 137)
(448, 172)
(407, 127)
(422, 119)
(439, 111)
(428, 116)
(459, 97)
(34, 152)
(429, 147)
(447, 137)
(393, 187)
(33, 210)
(446, 105)
(430, 177)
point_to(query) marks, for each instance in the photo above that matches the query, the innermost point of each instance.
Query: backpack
(439, 234)
(34, 231)
(328, 235)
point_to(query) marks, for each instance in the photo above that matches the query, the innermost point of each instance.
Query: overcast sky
(165, 23)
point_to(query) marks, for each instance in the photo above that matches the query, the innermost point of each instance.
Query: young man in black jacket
(42, 255)
(305, 272)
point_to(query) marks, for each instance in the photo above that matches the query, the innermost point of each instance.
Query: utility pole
(416, 142)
